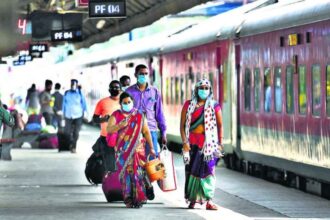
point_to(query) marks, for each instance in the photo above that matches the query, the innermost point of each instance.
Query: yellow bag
(155, 169)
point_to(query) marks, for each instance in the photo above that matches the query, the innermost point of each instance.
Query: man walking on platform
(148, 99)
(58, 103)
(103, 110)
(74, 106)
(47, 103)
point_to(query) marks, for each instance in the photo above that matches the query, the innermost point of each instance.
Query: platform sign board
(82, 3)
(38, 48)
(107, 8)
(66, 35)
(18, 63)
(25, 58)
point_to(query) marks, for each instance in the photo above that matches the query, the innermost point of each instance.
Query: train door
(219, 66)
(237, 130)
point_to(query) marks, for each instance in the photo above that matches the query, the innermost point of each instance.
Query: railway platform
(44, 184)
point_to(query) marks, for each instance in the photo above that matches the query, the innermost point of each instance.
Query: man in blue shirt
(74, 106)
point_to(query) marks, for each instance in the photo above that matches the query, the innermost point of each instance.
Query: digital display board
(66, 35)
(113, 8)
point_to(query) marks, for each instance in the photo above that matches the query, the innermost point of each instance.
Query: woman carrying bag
(201, 132)
(131, 130)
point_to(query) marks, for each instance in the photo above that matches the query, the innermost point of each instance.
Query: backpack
(94, 170)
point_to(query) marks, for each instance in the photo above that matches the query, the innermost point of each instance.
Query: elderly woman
(131, 130)
(201, 133)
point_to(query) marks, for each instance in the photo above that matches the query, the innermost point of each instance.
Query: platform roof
(139, 13)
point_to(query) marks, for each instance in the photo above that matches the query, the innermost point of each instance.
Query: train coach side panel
(297, 130)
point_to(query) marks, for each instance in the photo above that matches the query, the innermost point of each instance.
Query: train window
(172, 90)
(278, 90)
(187, 91)
(247, 90)
(281, 41)
(177, 90)
(211, 75)
(302, 101)
(316, 90)
(328, 91)
(168, 90)
(308, 37)
(182, 89)
(267, 90)
(257, 89)
(289, 90)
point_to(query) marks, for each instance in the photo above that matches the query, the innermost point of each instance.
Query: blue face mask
(203, 94)
(123, 88)
(127, 107)
(142, 79)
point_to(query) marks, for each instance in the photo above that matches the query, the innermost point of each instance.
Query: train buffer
(45, 184)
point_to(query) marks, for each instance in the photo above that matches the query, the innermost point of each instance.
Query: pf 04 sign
(112, 8)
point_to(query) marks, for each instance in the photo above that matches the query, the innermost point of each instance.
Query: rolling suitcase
(64, 141)
(111, 187)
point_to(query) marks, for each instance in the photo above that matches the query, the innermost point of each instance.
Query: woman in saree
(202, 133)
(131, 130)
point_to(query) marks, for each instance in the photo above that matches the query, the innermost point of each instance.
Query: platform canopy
(95, 30)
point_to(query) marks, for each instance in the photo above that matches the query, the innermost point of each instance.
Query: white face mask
(127, 107)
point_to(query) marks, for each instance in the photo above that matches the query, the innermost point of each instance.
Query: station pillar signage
(107, 8)
(66, 35)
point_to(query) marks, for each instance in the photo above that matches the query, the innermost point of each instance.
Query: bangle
(185, 142)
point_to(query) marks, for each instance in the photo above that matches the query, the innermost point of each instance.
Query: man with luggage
(103, 110)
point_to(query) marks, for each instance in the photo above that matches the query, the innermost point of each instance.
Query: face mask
(124, 88)
(114, 92)
(203, 94)
(127, 107)
(142, 79)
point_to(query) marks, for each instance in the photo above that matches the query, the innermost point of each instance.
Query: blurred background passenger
(6, 119)
(125, 82)
(47, 102)
(32, 100)
(58, 102)
(74, 107)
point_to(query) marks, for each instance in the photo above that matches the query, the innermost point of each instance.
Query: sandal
(211, 206)
(191, 205)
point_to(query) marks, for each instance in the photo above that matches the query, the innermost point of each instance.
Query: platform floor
(44, 184)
